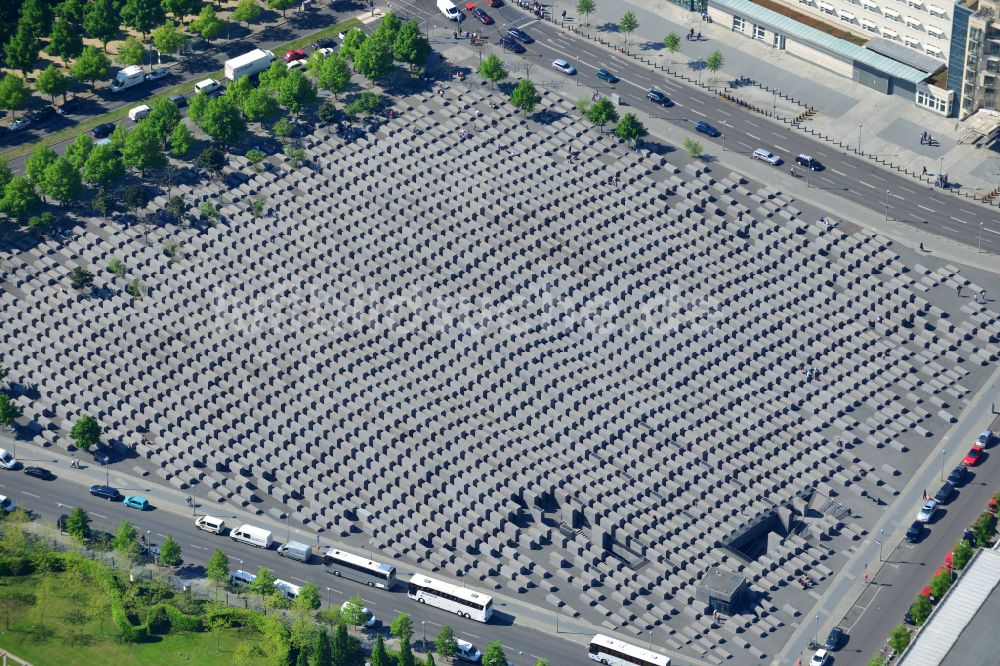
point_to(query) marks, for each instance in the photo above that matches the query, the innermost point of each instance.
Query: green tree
(197, 107)
(283, 128)
(126, 542)
(62, 181)
(36, 164)
(353, 612)
(217, 570)
(102, 22)
(542, 662)
(5, 175)
(167, 39)
(42, 224)
(352, 42)
(177, 206)
(181, 8)
(628, 25)
(103, 166)
(342, 646)
(78, 151)
(80, 278)
(143, 149)
(327, 113)
(429, 661)
(877, 660)
(22, 49)
(247, 11)
(672, 43)
(19, 198)
(602, 112)
(259, 105)
(239, 90)
(14, 94)
(207, 25)
(281, 5)
(693, 148)
(212, 160)
(494, 655)
(170, 552)
(715, 62)
(263, 586)
(78, 524)
(131, 51)
(586, 7)
(86, 432)
(103, 202)
(207, 212)
(296, 92)
(52, 82)
(162, 119)
(72, 10)
(388, 28)
(373, 58)
(181, 140)
(630, 128)
(13, 602)
(116, 267)
(332, 73)
(402, 628)
(142, 15)
(135, 197)
(410, 45)
(308, 599)
(446, 643)
(223, 120)
(899, 638)
(524, 96)
(9, 411)
(117, 138)
(380, 657)
(255, 157)
(135, 288)
(270, 79)
(984, 529)
(36, 16)
(921, 609)
(406, 655)
(322, 654)
(940, 583)
(92, 65)
(65, 41)
(492, 69)
(961, 554)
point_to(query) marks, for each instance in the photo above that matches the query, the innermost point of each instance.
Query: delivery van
(211, 524)
(253, 536)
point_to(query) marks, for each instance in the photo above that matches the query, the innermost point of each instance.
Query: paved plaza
(531, 358)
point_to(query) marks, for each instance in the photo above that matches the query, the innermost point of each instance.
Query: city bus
(612, 651)
(467, 603)
(372, 574)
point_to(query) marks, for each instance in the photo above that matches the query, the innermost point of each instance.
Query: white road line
(695, 99)
(30, 494)
(98, 515)
(468, 634)
(878, 177)
(828, 180)
(919, 219)
(958, 220)
(949, 229)
(896, 196)
(748, 122)
(753, 137)
(782, 148)
(535, 656)
(699, 113)
(867, 185)
(434, 623)
(298, 579)
(507, 647)
(906, 189)
(369, 602)
(725, 113)
(929, 210)
(994, 231)
(839, 173)
(743, 144)
(335, 590)
(848, 164)
(935, 200)
(161, 535)
(194, 545)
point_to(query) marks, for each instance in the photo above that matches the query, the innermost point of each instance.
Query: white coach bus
(459, 600)
(373, 574)
(612, 651)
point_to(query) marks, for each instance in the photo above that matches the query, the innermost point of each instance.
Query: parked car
(834, 640)
(20, 123)
(483, 17)
(520, 35)
(944, 492)
(157, 74)
(179, 100)
(294, 54)
(370, 622)
(496, 3)
(136, 502)
(957, 475)
(511, 44)
(927, 511)
(72, 105)
(325, 51)
(973, 457)
(605, 75)
(468, 652)
(106, 492)
(705, 128)
(766, 156)
(915, 531)
(808, 162)
(821, 658)
(43, 114)
(324, 44)
(658, 97)
(103, 130)
(7, 461)
(295, 64)
(563, 66)
(39, 473)
(207, 86)
(985, 437)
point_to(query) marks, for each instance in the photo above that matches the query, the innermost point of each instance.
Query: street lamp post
(424, 624)
(288, 529)
(881, 538)
(860, 125)
(107, 477)
(944, 452)
(328, 602)
(887, 204)
(980, 249)
(817, 628)
(650, 639)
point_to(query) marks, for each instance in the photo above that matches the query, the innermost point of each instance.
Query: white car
(295, 64)
(563, 66)
(821, 658)
(370, 622)
(7, 461)
(766, 156)
(927, 512)
(984, 438)
(468, 652)
(157, 74)
(20, 123)
(325, 52)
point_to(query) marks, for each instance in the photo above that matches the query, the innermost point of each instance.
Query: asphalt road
(883, 192)
(48, 499)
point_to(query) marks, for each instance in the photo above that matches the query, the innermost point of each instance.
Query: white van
(290, 590)
(6, 503)
(296, 551)
(468, 652)
(254, 536)
(240, 578)
(7, 461)
(450, 11)
(211, 524)
(208, 86)
(138, 113)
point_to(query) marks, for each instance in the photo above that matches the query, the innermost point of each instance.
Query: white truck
(128, 77)
(248, 64)
(450, 11)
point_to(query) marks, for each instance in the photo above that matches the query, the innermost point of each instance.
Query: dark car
(496, 3)
(43, 114)
(834, 640)
(179, 100)
(944, 492)
(72, 105)
(511, 44)
(957, 475)
(605, 75)
(103, 130)
(705, 128)
(520, 35)
(324, 44)
(483, 17)
(970, 536)
(39, 473)
(908, 619)
(106, 492)
(916, 530)
(808, 162)
(659, 97)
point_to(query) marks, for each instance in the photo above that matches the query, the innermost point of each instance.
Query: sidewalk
(890, 127)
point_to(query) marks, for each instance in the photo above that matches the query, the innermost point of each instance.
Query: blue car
(105, 492)
(705, 128)
(136, 502)
(605, 75)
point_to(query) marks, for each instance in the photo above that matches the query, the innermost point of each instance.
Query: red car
(295, 54)
(483, 17)
(973, 457)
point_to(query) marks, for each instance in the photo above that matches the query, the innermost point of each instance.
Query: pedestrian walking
(922, 247)
(925, 171)
(925, 494)
(958, 290)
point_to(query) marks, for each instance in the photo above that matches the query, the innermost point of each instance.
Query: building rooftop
(907, 56)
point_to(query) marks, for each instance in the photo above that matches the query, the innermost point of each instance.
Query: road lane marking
(725, 113)
(753, 137)
(748, 122)
(699, 113)
(744, 144)
(949, 229)
(30, 494)
(194, 545)
(298, 579)
(782, 148)
(98, 515)
(848, 164)
(839, 173)
(468, 634)
(875, 175)
(867, 185)
(906, 189)
(161, 535)
(958, 220)
(929, 210)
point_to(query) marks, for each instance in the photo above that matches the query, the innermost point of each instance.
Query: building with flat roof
(960, 631)
(975, 56)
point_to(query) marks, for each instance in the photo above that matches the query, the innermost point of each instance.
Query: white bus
(612, 651)
(467, 603)
(373, 574)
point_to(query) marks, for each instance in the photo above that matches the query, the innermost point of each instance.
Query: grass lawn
(75, 639)
(185, 87)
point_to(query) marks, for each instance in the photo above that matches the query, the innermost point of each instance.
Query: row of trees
(393, 41)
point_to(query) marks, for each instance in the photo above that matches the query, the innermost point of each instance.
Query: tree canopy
(524, 96)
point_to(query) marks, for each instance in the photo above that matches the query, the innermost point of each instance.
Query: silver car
(563, 66)
(927, 511)
(766, 156)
